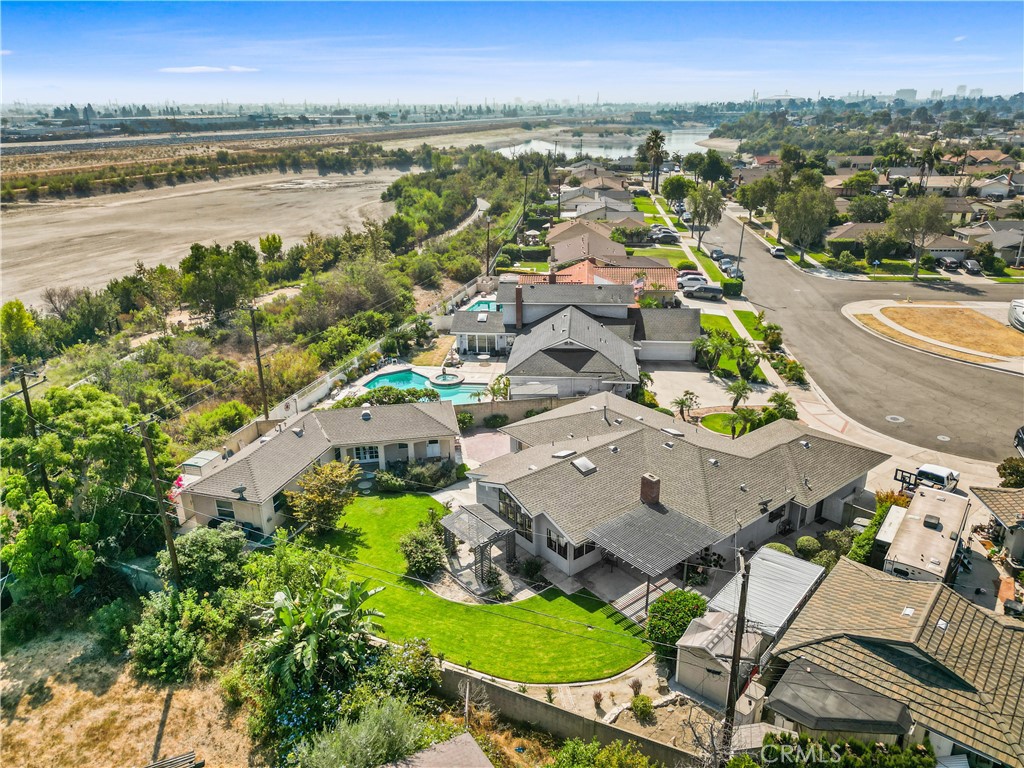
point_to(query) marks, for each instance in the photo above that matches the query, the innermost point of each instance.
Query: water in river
(682, 141)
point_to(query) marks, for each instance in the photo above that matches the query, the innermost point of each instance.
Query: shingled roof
(265, 468)
(564, 295)
(1005, 503)
(711, 479)
(958, 667)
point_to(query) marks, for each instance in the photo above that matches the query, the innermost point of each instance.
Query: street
(921, 399)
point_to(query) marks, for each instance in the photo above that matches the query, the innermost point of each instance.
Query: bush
(209, 558)
(732, 287)
(826, 558)
(388, 483)
(669, 617)
(113, 623)
(535, 412)
(643, 708)
(430, 476)
(465, 420)
(779, 547)
(927, 261)
(807, 547)
(386, 731)
(576, 753)
(839, 541)
(423, 553)
(860, 552)
(532, 567)
(167, 644)
(495, 420)
(666, 411)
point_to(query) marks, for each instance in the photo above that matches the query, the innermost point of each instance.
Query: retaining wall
(540, 715)
(514, 409)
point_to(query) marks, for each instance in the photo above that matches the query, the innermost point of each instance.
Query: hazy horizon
(328, 53)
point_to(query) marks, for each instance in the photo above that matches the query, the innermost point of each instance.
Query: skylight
(671, 431)
(563, 454)
(482, 317)
(584, 466)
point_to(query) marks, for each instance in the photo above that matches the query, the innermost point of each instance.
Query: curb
(937, 355)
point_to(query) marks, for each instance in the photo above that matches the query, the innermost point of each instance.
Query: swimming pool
(459, 394)
(483, 305)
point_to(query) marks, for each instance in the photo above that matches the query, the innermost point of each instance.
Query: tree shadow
(163, 725)
(346, 541)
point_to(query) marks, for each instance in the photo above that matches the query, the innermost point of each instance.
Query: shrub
(534, 412)
(779, 547)
(430, 476)
(389, 483)
(643, 708)
(532, 566)
(826, 558)
(860, 552)
(598, 698)
(732, 287)
(423, 553)
(666, 411)
(927, 261)
(209, 558)
(503, 261)
(465, 420)
(635, 686)
(669, 617)
(167, 643)
(385, 731)
(794, 372)
(495, 420)
(576, 753)
(807, 547)
(839, 541)
(113, 623)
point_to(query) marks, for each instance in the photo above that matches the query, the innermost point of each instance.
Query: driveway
(927, 401)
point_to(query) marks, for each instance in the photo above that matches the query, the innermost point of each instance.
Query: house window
(280, 504)
(513, 514)
(558, 545)
(776, 514)
(225, 509)
(366, 453)
(433, 449)
(338, 454)
(583, 550)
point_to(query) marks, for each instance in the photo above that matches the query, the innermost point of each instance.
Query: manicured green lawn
(551, 637)
(1006, 279)
(709, 266)
(906, 278)
(645, 205)
(668, 252)
(717, 422)
(720, 322)
(749, 321)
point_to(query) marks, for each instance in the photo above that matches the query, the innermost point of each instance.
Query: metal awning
(654, 539)
(475, 524)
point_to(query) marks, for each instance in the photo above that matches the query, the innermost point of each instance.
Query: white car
(1016, 316)
(690, 280)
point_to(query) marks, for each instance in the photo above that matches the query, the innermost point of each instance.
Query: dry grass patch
(960, 326)
(436, 353)
(872, 322)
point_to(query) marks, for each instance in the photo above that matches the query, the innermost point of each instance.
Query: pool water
(483, 305)
(459, 394)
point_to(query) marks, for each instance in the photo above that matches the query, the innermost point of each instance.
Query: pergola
(481, 529)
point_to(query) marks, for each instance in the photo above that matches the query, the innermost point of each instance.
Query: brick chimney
(519, 307)
(650, 489)
(552, 276)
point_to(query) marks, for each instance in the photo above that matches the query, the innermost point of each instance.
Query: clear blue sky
(436, 52)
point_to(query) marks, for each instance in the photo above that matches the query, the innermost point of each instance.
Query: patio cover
(475, 524)
(653, 539)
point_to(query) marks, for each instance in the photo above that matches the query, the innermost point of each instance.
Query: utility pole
(32, 422)
(259, 362)
(737, 650)
(143, 427)
(487, 259)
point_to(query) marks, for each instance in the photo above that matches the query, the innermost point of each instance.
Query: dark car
(716, 254)
(1018, 441)
(666, 238)
(972, 267)
(948, 263)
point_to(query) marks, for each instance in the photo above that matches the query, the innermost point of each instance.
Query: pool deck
(480, 373)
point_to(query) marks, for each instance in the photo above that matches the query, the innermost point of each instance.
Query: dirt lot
(961, 327)
(93, 712)
(872, 322)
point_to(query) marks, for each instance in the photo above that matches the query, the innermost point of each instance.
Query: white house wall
(572, 387)
(702, 675)
(668, 351)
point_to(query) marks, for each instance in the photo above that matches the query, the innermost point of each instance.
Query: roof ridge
(419, 407)
(933, 601)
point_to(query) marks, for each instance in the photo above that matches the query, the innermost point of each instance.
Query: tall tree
(760, 193)
(917, 220)
(706, 206)
(324, 493)
(686, 403)
(715, 168)
(740, 391)
(804, 214)
(692, 163)
(654, 146)
(868, 208)
(677, 188)
(215, 279)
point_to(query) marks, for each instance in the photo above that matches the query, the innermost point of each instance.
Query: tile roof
(770, 463)
(778, 585)
(1005, 503)
(265, 468)
(570, 342)
(958, 667)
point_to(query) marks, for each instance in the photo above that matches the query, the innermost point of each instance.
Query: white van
(934, 476)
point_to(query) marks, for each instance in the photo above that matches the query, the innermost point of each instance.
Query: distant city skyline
(666, 52)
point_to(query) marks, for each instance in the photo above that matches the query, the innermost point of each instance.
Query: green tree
(861, 182)
(324, 492)
(715, 168)
(669, 617)
(758, 194)
(742, 420)
(209, 558)
(917, 220)
(215, 279)
(804, 214)
(710, 350)
(686, 403)
(706, 206)
(740, 391)
(677, 188)
(271, 247)
(783, 405)
(869, 208)
(654, 151)
(19, 335)
(1011, 470)
(692, 163)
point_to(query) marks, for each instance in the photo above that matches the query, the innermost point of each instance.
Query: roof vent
(563, 454)
(614, 449)
(366, 415)
(671, 431)
(805, 444)
(297, 431)
(713, 462)
(942, 624)
(584, 466)
(932, 521)
(908, 611)
(618, 421)
(532, 467)
(669, 444)
(639, 418)
(482, 317)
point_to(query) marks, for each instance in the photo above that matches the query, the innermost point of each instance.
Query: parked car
(687, 218)
(777, 251)
(948, 263)
(726, 264)
(685, 272)
(706, 291)
(716, 254)
(1018, 440)
(640, 192)
(735, 273)
(935, 476)
(667, 238)
(971, 267)
(1016, 314)
(691, 280)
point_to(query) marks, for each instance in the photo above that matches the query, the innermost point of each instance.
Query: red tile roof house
(767, 161)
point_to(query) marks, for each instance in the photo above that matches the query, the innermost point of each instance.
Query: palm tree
(499, 388)
(741, 421)
(686, 403)
(740, 391)
(746, 362)
(929, 158)
(783, 405)
(654, 145)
